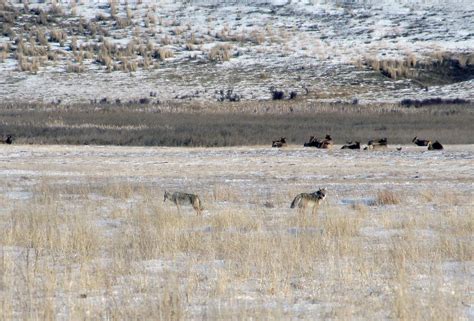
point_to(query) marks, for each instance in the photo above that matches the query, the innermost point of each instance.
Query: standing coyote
(180, 198)
(311, 200)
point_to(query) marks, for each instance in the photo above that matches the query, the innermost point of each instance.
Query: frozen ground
(250, 255)
(261, 172)
(319, 49)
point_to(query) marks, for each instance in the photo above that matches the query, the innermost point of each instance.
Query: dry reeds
(217, 124)
(387, 197)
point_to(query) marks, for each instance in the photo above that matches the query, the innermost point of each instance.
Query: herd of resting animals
(301, 201)
(327, 143)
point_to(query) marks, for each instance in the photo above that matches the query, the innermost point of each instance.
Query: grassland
(231, 124)
(86, 235)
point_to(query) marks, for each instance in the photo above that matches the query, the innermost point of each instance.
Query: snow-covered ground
(315, 48)
(88, 227)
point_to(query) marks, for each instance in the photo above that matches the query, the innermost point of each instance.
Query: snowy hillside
(236, 50)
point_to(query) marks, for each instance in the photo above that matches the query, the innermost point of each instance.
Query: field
(214, 124)
(110, 104)
(86, 235)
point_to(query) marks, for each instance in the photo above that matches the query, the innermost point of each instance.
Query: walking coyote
(311, 200)
(180, 198)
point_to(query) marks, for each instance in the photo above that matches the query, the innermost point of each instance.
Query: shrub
(432, 101)
(56, 10)
(144, 101)
(74, 68)
(220, 53)
(57, 35)
(228, 95)
(162, 53)
(277, 94)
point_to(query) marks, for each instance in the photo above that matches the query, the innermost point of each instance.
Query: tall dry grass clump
(164, 53)
(221, 52)
(387, 197)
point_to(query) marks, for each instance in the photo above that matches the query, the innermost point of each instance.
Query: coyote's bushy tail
(197, 205)
(296, 201)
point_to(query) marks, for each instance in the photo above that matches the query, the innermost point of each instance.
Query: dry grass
(440, 67)
(105, 244)
(221, 52)
(109, 261)
(228, 124)
(387, 197)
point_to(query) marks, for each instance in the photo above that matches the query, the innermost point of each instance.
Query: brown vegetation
(441, 68)
(144, 122)
(387, 197)
(91, 237)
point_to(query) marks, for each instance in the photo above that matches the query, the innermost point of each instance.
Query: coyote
(180, 198)
(421, 142)
(311, 200)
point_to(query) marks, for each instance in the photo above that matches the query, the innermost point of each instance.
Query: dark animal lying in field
(351, 145)
(315, 142)
(421, 142)
(279, 143)
(373, 144)
(8, 140)
(435, 146)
